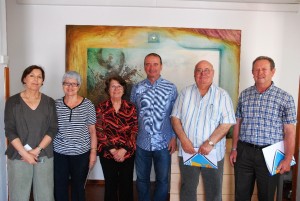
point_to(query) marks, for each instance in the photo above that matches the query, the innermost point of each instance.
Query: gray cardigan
(16, 127)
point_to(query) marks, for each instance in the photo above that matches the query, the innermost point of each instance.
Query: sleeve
(173, 100)
(10, 121)
(103, 141)
(228, 116)
(177, 107)
(175, 94)
(238, 113)
(133, 94)
(52, 129)
(289, 116)
(130, 145)
(92, 113)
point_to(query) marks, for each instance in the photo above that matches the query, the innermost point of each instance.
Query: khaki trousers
(21, 176)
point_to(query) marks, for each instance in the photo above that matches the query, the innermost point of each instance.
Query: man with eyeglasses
(154, 98)
(265, 115)
(201, 117)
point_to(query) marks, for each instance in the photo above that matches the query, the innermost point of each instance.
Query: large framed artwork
(97, 52)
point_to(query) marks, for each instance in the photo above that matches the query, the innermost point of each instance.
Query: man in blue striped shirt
(265, 115)
(154, 98)
(202, 115)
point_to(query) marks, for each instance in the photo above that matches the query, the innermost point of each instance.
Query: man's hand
(187, 146)
(205, 148)
(284, 166)
(232, 157)
(172, 145)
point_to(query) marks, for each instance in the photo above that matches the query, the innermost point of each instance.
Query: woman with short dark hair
(116, 129)
(30, 125)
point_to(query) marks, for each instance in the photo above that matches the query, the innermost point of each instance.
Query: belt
(258, 147)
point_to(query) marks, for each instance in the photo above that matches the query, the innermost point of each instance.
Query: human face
(204, 74)
(152, 67)
(262, 73)
(34, 80)
(116, 90)
(70, 87)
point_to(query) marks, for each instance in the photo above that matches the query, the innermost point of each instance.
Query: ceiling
(244, 5)
(256, 1)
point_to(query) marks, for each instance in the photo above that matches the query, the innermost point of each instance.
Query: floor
(95, 191)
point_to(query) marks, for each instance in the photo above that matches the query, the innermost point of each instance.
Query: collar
(155, 83)
(270, 88)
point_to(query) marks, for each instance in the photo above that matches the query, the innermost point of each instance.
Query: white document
(273, 155)
(27, 147)
(199, 160)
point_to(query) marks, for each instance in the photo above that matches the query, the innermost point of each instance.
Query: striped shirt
(154, 104)
(264, 114)
(73, 137)
(200, 116)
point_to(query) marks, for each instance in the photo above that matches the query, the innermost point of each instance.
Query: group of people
(54, 143)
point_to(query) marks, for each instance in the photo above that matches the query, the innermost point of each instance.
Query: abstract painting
(97, 52)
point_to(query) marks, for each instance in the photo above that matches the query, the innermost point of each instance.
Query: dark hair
(117, 78)
(271, 61)
(153, 54)
(29, 69)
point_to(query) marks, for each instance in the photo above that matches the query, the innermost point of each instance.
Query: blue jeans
(143, 163)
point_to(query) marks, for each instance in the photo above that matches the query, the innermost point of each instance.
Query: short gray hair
(72, 75)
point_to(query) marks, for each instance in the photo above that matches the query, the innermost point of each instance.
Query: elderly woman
(116, 129)
(30, 125)
(75, 145)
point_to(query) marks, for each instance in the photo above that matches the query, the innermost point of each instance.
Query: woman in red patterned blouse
(116, 129)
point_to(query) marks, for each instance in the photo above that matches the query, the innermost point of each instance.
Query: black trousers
(118, 179)
(74, 167)
(250, 166)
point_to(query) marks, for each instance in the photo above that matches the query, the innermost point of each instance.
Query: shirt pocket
(213, 114)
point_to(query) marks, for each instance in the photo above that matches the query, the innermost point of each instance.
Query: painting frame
(226, 41)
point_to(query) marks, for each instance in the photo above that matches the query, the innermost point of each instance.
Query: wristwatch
(40, 148)
(211, 143)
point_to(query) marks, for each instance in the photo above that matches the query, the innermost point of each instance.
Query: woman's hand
(93, 159)
(119, 155)
(36, 152)
(29, 158)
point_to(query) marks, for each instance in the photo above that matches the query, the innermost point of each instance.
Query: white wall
(36, 35)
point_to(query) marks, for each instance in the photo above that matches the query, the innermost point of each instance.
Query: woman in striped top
(116, 129)
(75, 143)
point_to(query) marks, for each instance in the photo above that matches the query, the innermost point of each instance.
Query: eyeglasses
(114, 87)
(70, 84)
(205, 71)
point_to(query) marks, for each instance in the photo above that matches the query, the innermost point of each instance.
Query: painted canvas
(98, 52)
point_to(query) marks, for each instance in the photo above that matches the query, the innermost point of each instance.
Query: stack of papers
(274, 154)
